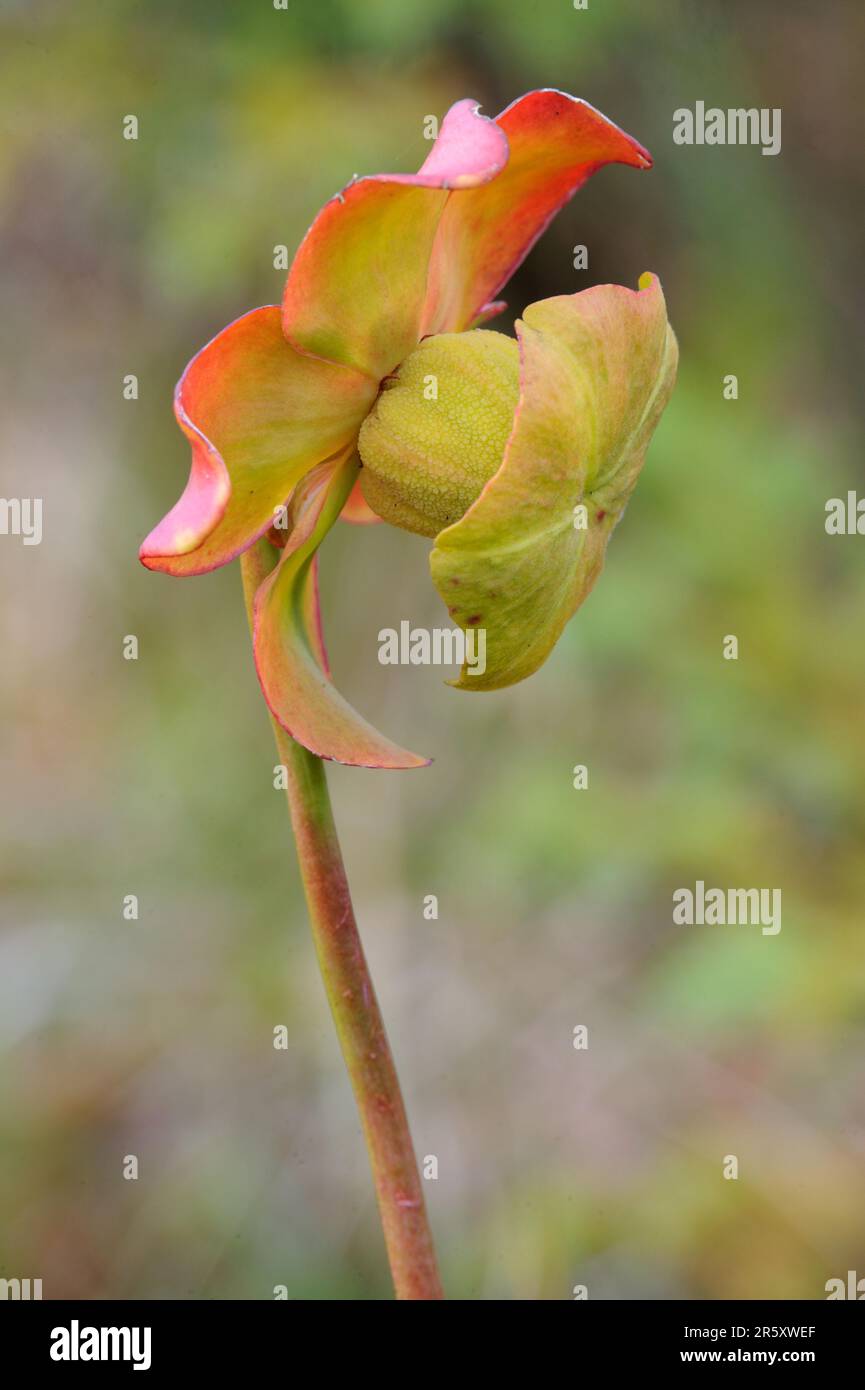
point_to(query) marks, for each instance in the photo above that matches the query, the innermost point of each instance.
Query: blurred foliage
(154, 777)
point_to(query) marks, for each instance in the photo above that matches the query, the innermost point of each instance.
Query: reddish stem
(353, 1003)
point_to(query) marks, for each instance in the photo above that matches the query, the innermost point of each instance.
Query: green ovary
(438, 430)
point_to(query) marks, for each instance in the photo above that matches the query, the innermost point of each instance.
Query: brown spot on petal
(475, 618)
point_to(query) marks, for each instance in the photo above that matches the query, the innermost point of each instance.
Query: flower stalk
(516, 457)
(352, 1000)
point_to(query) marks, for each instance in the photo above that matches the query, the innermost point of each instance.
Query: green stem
(353, 1003)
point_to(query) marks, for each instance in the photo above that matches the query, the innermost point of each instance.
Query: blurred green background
(154, 1037)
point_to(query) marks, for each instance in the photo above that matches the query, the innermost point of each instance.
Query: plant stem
(353, 1003)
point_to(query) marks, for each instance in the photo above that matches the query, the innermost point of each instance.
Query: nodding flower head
(373, 393)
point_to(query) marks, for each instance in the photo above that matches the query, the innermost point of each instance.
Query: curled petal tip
(471, 149)
(200, 508)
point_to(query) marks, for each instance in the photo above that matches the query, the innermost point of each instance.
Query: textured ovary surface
(438, 431)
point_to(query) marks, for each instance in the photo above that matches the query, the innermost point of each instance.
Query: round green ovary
(438, 430)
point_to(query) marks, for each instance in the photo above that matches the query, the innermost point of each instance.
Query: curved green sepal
(287, 642)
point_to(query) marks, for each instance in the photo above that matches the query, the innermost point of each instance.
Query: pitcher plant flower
(375, 392)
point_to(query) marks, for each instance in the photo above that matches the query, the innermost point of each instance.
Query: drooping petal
(287, 643)
(597, 369)
(355, 292)
(556, 142)
(258, 415)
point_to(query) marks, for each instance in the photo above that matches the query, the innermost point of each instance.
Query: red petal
(556, 143)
